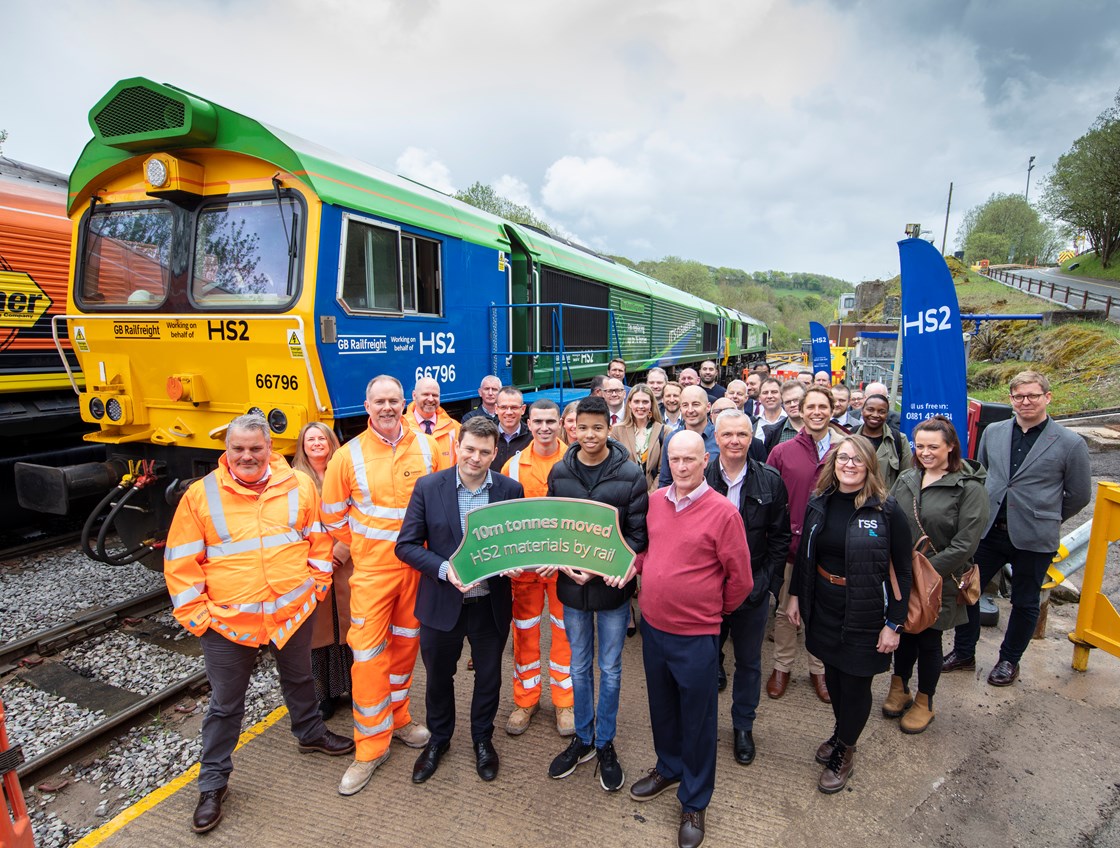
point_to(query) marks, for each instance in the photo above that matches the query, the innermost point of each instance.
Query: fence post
(1085, 299)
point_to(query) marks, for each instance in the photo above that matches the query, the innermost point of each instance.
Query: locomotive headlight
(277, 421)
(96, 408)
(156, 172)
(114, 410)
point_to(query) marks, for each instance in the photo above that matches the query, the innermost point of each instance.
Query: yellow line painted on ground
(154, 797)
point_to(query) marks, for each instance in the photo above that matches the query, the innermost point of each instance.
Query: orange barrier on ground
(15, 827)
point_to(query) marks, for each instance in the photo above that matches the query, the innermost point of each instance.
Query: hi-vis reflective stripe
(189, 549)
(371, 712)
(367, 654)
(521, 669)
(514, 470)
(526, 623)
(332, 508)
(221, 527)
(374, 729)
(399, 679)
(557, 622)
(357, 622)
(426, 450)
(560, 669)
(398, 694)
(406, 632)
(187, 595)
(322, 565)
(246, 545)
(366, 505)
(375, 511)
(314, 527)
(566, 683)
(371, 532)
(531, 683)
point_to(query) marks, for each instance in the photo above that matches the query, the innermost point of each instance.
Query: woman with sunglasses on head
(943, 497)
(852, 532)
(891, 446)
(331, 657)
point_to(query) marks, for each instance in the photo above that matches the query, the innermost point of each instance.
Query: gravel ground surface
(123, 661)
(41, 590)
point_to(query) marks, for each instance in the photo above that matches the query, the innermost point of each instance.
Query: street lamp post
(1027, 193)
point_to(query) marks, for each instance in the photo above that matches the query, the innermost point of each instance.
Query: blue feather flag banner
(933, 363)
(822, 356)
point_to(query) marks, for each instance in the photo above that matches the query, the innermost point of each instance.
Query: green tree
(3, 138)
(1006, 228)
(484, 197)
(1083, 189)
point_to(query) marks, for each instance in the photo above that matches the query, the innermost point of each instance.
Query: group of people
(730, 496)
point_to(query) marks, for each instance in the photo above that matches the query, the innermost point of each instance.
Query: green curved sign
(535, 533)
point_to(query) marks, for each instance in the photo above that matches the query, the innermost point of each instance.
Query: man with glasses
(788, 427)
(1038, 476)
(615, 395)
(513, 436)
(855, 405)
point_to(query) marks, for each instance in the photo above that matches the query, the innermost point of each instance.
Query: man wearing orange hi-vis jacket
(247, 561)
(425, 415)
(530, 467)
(366, 490)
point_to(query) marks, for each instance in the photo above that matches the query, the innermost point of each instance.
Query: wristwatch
(897, 628)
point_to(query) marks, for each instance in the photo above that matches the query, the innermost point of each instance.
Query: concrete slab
(1033, 764)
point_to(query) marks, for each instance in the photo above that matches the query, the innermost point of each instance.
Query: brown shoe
(209, 810)
(519, 719)
(824, 751)
(839, 769)
(898, 698)
(821, 689)
(329, 743)
(652, 785)
(1004, 674)
(691, 832)
(920, 715)
(776, 685)
(953, 661)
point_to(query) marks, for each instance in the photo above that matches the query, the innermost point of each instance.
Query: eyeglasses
(845, 459)
(1033, 398)
(612, 391)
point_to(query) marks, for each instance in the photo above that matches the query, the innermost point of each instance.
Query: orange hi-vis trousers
(529, 592)
(385, 638)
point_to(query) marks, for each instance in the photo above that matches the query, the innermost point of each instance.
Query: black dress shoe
(330, 744)
(327, 707)
(486, 760)
(721, 679)
(953, 661)
(428, 761)
(744, 747)
(209, 810)
(691, 832)
(1004, 674)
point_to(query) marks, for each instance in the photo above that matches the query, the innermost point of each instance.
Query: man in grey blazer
(1038, 476)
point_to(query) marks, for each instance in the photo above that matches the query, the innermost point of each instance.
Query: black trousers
(925, 649)
(747, 629)
(441, 651)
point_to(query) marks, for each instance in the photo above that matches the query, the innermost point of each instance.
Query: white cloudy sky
(760, 134)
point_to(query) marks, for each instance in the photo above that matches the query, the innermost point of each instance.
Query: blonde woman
(641, 432)
(852, 532)
(331, 657)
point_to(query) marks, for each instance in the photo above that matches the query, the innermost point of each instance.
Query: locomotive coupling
(43, 488)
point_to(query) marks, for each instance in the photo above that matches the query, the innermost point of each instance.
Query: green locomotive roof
(138, 116)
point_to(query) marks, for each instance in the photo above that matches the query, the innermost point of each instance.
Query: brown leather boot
(839, 769)
(898, 698)
(920, 715)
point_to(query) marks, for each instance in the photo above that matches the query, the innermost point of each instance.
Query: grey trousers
(228, 667)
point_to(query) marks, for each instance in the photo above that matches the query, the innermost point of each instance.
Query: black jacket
(873, 531)
(623, 486)
(764, 506)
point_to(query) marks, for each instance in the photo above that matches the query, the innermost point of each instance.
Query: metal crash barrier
(1098, 623)
(15, 826)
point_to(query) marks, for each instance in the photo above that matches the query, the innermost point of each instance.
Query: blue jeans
(591, 724)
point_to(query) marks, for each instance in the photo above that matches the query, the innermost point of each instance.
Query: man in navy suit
(450, 611)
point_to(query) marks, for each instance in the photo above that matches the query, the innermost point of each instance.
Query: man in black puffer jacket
(760, 495)
(599, 469)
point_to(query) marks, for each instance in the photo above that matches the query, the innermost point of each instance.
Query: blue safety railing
(560, 356)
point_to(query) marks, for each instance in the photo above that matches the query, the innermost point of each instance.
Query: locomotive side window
(385, 270)
(245, 254)
(126, 257)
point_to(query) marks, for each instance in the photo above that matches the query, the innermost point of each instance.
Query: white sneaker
(413, 734)
(359, 774)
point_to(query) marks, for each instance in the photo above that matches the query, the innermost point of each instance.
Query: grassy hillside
(1088, 265)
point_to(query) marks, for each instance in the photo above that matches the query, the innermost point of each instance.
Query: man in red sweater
(696, 570)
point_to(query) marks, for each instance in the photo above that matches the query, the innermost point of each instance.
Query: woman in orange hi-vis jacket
(246, 562)
(530, 468)
(365, 493)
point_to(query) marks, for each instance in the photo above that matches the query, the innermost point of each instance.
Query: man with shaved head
(689, 377)
(694, 417)
(822, 378)
(425, 415)
(696, 570)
